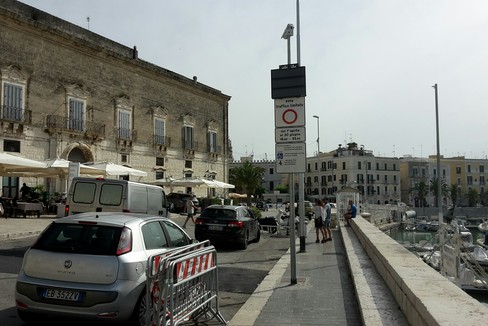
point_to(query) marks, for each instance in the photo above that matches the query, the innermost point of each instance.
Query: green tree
(421, 190)
(434, 189)
(283, 189)
(247, 178)
(453, 194)
(472, 196)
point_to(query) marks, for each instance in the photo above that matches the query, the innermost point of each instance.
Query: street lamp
(287, 34)
(318, 148)
(367, 184)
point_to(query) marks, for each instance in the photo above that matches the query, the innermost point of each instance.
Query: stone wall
(56, 59)
(424, 296)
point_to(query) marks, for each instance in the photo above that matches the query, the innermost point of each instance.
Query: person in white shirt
(190, 210)
(327, 220)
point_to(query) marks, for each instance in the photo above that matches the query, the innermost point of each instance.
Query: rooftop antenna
(88, 22)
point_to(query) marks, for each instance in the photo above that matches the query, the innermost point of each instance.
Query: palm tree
(247, 178)
(434, 189)
(453, 194)
(420, 189)
(472, 197)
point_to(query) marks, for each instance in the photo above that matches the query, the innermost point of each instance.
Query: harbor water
(415, 240)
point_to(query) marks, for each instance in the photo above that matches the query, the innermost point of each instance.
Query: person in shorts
(190, 210)
(319, 214)
(327, 220)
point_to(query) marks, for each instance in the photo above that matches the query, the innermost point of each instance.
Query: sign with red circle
(290, 112)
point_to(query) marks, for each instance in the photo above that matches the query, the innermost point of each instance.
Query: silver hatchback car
(93, 266)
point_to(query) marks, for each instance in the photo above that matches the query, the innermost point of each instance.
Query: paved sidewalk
(324, 293)
(18, 227)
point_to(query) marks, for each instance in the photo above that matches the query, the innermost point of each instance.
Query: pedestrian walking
(319, 214)
(327, 220)
(190, 210)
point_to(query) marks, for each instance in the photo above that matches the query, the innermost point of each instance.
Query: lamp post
(367, 184)
(318, 149)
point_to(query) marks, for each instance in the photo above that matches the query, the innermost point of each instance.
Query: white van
(112, 195)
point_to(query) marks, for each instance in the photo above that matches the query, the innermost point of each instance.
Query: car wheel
(139, 314)
(245, 243)
(258, 236)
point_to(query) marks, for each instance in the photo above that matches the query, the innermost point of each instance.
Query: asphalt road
(239, 273)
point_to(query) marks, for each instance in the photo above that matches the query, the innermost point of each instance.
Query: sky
(370, 65)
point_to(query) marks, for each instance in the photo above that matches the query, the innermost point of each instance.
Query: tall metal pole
(291, 219)
(439, 194)
(301, 176)
(318, 150)
(298, 32)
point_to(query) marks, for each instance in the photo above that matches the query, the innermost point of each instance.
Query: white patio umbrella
(10, 162)
(220, 184)
(117, 169)
(60, 167)
(53, 168)
(183, 182)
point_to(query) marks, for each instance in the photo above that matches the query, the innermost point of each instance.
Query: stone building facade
(70, 93)
(376, 178)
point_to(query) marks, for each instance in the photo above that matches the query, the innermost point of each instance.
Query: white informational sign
(73, 171)
(290, 158)
(290, 135)
(290, 112)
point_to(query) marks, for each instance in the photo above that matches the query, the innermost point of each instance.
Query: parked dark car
(177, 202)
(229, 224)
(262, 206)
(92, 266)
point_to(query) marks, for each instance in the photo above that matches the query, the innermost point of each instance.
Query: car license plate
(215, 227)
(66, 295)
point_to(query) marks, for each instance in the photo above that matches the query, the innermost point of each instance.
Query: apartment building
(376, 178)
(70, 93)
(271, 179)
(466, 174)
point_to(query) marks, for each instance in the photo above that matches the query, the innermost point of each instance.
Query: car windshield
(219, 213)
(80, 238)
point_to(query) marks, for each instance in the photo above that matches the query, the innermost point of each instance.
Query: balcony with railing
(15, 115)
(160, 143)
(213, 152)
(125, 134)
(87, 129)
(158, 140)
(191, 145)
(215, 149)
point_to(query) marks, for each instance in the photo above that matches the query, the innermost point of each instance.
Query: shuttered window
(188, 137)
(159, 131)
(212, 142)
(125, 127)
(12, 102)
(76, 114)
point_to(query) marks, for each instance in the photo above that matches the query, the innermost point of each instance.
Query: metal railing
(56, 123)
(13, 114)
